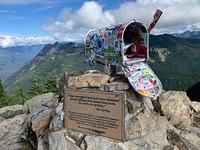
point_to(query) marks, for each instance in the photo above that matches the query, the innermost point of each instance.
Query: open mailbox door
(125, 45)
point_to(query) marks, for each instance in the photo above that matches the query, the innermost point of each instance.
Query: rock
(11, 111)
(10, 138)
(101, 143)
(195, 106)
(41, 102)
(43, 141)
(141, 144)
(41, 109)
(58, 118)
(2, 118)
(171, 123)
(88, 80)
(134, 106)
(42, 120)
(170, 147)
(76, 136)
(176, 107)
(59, 141)
(184, 140)
(116, 86)
(148, 126)
(196, 114)
(63, 83)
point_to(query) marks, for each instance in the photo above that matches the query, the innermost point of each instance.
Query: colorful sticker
(143, 80)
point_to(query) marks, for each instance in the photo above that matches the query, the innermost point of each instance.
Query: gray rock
(10, 138)
(2, 118)
(41, 109)
(148, 126)
(170, 147)
(41, 120)
(116, 86)
(59, 141)
(41, 102)
(101, 143)
(184, 140)
(176, 107)
(43, 141)
(11, 111)
(196, 114)
(76, 136)
(145, 129)
(57, 122)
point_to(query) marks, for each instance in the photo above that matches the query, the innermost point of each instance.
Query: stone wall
(170, 123)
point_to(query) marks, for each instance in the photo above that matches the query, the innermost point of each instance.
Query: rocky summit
(172, 122)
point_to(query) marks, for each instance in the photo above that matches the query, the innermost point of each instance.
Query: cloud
(9, 40)
(90, 15)
(194, 27)
(177, 14)
(71, 25)
(16, 17)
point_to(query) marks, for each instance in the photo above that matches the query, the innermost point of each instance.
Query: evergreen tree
(50, 84)
(19, 96)
(36, 87)
(3, 96)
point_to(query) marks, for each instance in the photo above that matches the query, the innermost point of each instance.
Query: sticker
(143, 80)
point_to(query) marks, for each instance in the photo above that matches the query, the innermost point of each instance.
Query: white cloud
(9, 40)
(177, 15)
(194, 27)
(90, 15)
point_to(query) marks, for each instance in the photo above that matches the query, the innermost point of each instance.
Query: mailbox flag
(156, 17)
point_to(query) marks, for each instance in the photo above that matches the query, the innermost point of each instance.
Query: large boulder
(176, 107)
(11, 128)
(40, 110)
(148, 126)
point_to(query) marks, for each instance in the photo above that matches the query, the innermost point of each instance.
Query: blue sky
(47, 21)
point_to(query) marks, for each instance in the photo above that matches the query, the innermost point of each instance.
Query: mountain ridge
(188, 34)
(178, 71)
(13, 58)
(43, 63)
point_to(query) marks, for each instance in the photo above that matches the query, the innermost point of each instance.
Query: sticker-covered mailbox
(126, 45)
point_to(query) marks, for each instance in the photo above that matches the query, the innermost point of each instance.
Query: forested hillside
(174, 60)
(181, 67)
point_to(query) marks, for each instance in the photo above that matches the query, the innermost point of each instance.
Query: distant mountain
(13, 58)
(189, 35)
(58, 57)
(174, 60)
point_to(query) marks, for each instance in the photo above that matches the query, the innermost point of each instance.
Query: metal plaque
(95, 112)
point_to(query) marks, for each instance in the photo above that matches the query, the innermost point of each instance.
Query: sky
(27, 22)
